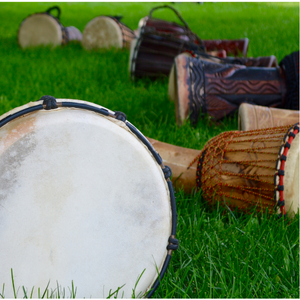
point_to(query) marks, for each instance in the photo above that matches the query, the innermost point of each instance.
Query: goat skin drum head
(102, 32)
(82, 200)
(39, 29)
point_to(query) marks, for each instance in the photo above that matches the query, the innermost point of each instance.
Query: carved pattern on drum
(196, 89)
(264, 118)
(238, 168)
(223, 86)
(231, 85)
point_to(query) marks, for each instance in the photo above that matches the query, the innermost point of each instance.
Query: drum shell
(219, 89)
(238, 169)
(72, 34)
(157, 44)
(251, 117)
(156, 26)
(127, 33)
(232, 47)
(154, 56)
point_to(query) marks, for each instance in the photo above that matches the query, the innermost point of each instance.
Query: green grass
(222, 254)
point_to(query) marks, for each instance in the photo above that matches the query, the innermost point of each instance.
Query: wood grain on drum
(252, 117)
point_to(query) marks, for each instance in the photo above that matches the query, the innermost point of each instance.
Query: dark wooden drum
(158, 42)
(232, 47)
(45, 29)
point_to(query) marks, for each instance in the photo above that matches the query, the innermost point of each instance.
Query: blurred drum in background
(200, 86)
(77, 181)
(252, 117)
(106, 32)
(158, 42)
(45, 29)
(232, 47)
(241, 169)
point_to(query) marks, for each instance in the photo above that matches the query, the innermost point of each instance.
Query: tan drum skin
(39, 29)
(68, 214)
(45, 29)
(251, 117)
(106, 32)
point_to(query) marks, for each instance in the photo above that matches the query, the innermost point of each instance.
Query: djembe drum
(242, 170)
(251, 117)
(46, 29)
(267, 61)
(78, 181)
(232, 47)
(158, 42)
(199, 86)
(106, 32)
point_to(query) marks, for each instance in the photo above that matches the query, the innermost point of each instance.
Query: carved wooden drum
(158, 42)
(46, 29)
(106, 32)
(84, 198)
(232, 47)
(258, 168)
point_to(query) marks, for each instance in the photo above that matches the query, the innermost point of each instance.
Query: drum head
(102, 32)
(39, 29)
(82, 200)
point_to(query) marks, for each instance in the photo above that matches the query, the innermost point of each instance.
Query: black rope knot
(173, 244)
(120, 116)
(280, 203)
(49, 101)
(280, 188)
(167, 171)
(280, 172)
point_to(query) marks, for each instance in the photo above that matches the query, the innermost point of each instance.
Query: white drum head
(82, 200)
(102, 32)
(39, 29)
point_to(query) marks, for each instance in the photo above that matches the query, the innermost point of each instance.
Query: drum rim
(49, 15)
(49, 103)
(281, 170)
(134, 47)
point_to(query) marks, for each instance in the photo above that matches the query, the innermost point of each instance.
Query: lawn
(222, 254)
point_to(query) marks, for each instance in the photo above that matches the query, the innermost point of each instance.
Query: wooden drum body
(253, 117)
(232, 47)
(106, 32)
(249, 169)
(158, 43)
(84, 198)
(199, 85)
(242, 170)
(45, 29)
